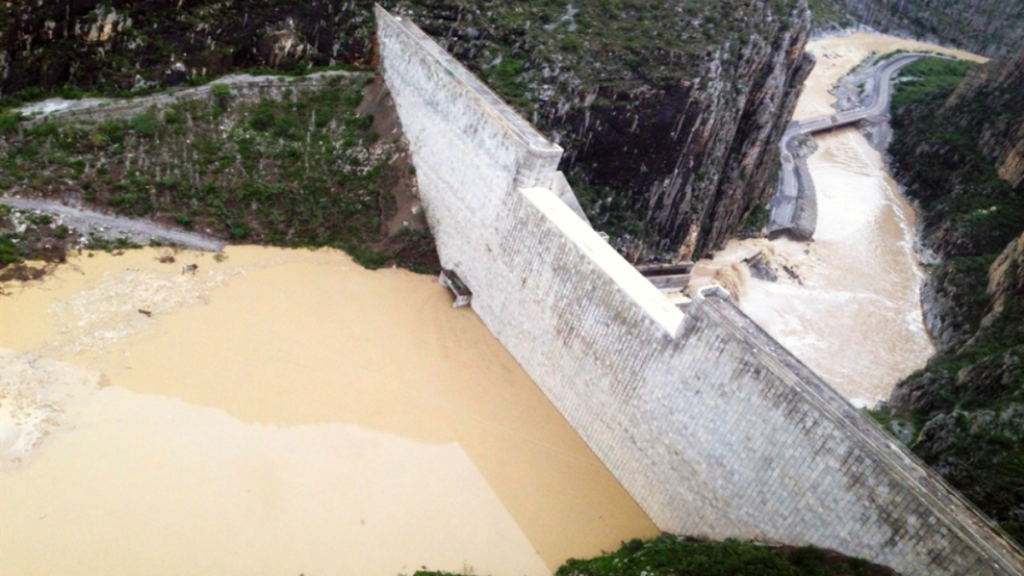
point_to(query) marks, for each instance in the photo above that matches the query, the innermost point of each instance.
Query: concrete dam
(711, 426)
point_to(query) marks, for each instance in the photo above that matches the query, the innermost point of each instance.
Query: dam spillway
(712, 426)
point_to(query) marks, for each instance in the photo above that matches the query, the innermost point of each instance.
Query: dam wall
(710, 425)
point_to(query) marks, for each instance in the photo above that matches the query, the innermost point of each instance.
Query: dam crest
(710, 425)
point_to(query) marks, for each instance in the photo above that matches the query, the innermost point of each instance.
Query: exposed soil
(400, 178)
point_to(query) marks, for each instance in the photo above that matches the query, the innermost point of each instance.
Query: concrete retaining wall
(712, 427)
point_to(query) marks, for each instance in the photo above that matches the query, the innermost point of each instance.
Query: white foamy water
(853, 312)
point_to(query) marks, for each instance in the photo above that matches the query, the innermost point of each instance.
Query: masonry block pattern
(711, 425)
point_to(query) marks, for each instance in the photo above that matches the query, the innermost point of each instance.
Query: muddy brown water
(854, 316)
(280, 412)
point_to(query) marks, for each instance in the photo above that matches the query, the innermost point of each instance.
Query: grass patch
(927, 79)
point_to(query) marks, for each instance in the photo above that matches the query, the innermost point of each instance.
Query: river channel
(851, 309)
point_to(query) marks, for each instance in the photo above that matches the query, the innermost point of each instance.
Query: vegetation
(756, 221)
(560, 63)
(669, 555)
(298, 168)
(204, 39)
(10, 253)
(928, 80)
(965, 409)
(97, 242)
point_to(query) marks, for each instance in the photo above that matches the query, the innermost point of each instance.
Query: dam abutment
(711, 425)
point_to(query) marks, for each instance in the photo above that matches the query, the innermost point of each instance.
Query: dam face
(711, 425)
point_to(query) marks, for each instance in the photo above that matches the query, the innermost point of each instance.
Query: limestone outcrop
(996, 89)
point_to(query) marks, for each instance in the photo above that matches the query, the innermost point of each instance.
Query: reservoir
(280, 412)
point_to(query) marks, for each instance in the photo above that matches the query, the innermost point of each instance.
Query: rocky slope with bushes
(669, 111)
(957, 151)
(294, 162)
(989, 27)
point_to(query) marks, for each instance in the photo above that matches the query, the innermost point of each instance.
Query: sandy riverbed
(281, 412)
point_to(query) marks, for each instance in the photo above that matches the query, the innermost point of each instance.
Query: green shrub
(112, 131)
(9, 122)
(10, 253)
(669, 555)
(222, 95)
(144, 123)
(263, 117)
(172, 116)
(185, 221)
(40, 219)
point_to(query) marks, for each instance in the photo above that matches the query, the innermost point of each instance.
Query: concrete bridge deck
(794, 206)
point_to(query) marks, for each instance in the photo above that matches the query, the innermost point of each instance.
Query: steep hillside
(669, 111)
(957, 151)
(294, 163)
(121, 45)
(989, 27)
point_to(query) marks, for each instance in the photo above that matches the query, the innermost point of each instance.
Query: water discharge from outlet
(848, 303)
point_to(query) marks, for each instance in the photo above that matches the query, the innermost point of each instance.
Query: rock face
(958, 154)
(669, 112)
(997, 87)
(991, 27)
(121, 44)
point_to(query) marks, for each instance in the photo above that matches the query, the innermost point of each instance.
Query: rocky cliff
(990, 27)
(957, 150)
(123, 44)
(669, 111)
(996, 88)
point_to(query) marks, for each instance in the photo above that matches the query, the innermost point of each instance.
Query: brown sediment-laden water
(848, 303)
(851, 307)
(279, 412)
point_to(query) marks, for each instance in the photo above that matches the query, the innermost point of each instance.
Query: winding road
(787, 205)
(86, 221)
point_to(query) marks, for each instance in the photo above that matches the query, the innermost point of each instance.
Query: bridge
(794, 205)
